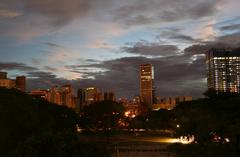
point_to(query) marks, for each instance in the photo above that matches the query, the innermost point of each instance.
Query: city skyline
(102, 44)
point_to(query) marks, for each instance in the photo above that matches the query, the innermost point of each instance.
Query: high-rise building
(146, 84)
(21, 83)
(67, 95)
(56, 95)
(59, 95)
(3, 75)
(7, 83)
(91, 95)
(81, 98)
(223, 70)
(109, 96)
(169, 103)
(44, 94)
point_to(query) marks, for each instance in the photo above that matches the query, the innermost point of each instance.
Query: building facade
(90, 95)
(59, 95)
(7, 83)
(109, 96)
(3, 75)
(223, 70)
(55, 95)
(87, 96)
(67, 96)
(21, 83)
(81, 98)
(18, 83)
(146, 84)
(169, 103)
(43, 94)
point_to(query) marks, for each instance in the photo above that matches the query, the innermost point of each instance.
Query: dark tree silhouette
(35, 128)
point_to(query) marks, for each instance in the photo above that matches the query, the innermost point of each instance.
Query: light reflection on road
(159, 139)
(166, 140)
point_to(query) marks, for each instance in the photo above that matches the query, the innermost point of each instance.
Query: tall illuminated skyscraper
(146, 84)
(92, 95)
(223, 70)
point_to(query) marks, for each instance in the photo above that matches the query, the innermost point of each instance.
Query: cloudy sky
(102, 42)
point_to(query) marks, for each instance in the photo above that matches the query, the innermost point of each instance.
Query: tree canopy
(35, 128)
(102, 115)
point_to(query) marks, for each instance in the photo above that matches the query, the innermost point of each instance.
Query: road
(116, 139)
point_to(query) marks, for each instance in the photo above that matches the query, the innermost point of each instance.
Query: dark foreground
(35, 128)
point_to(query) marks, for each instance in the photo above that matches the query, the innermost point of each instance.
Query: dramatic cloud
(41, 74)
(175, 34)
(102, 43)
(232, 40)
(50, 68)
(57, 12)
(53, 45)
(16, 66)
(155, 11)
(4, 13)
(34, 18)
(35, 61)
(226, 41)
(231, 27)
(175, 74)
(172, 74)
(151, 49)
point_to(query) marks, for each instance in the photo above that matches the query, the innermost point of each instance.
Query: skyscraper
(55, 95)
(21, 83)
(109, 96)
(146, 84)
(3, 75)
(67, 96)
(81, 97)
(223, 70)
(92, 94)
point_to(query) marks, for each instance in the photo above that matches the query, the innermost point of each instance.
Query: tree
(35, 128)
(102, 115)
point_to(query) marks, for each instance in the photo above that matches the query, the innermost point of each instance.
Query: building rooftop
(222, 52)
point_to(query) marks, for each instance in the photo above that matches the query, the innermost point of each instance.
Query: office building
(7, 83)
(146, 85)
(92, 94)
(58, 95)
(109, 96)
(181, 99)
(3, 75)
(168, 103)
(21, 83)
(81, 98)
(67, 96)
(223, 70)
(43, 94)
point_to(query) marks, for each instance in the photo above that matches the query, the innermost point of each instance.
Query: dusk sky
(103, 42)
